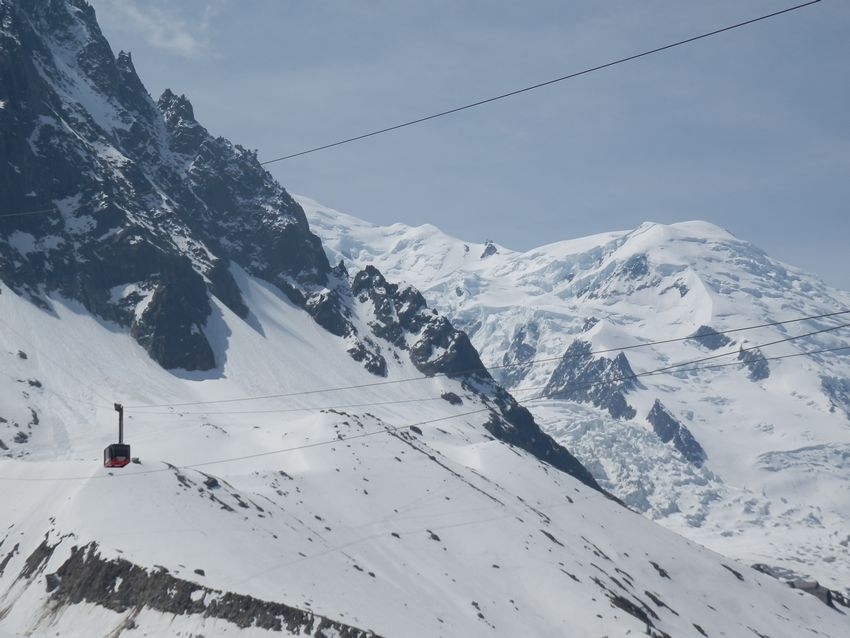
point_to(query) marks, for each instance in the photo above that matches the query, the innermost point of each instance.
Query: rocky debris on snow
(831, 597)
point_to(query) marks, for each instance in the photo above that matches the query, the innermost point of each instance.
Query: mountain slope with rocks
(747, 457)
(315, 450)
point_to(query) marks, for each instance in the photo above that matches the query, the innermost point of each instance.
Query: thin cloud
(165, 28)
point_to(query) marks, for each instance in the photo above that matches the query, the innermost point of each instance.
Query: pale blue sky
(749, 130)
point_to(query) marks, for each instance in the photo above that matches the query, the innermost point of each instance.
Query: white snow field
(435, 531)
(774, 486)
(289, 491)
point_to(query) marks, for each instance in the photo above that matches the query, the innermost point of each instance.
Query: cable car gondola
(117, 454)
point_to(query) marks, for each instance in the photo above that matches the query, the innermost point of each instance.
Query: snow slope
(773, 487)
(435, 531)
(312, 457)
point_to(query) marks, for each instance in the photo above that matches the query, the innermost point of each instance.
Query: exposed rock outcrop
(600, 381)
(708, 337)
(668, 429)
(123, 587)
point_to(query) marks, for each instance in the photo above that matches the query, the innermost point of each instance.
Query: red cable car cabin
(117, 454)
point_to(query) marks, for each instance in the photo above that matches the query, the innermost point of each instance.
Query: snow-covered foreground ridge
(752, 460)
(432, 530)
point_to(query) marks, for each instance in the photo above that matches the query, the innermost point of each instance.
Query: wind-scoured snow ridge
(657, 282)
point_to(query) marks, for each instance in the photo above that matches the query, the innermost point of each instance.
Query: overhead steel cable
(694, 369)
(25, 213)
(371, 404)
(73, 209)
(512, 93)
(393, 428)
(59, 366)
(482, 368)
(539, 85)
(674, 366)
(523, 400)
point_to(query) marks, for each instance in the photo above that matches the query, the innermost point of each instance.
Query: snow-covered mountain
(752, 460)
(435, 529)
(313, 454)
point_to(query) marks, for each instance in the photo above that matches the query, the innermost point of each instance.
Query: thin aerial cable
(42, 388)
(332, 549)
(391, 428)
(538, 85)
(694, 369)
(483, 368)
(76, 209)
(25, 213)
(581, 386)
(749, 348)
(65, 369)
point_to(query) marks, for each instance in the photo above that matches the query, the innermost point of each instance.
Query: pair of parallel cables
(682, 367)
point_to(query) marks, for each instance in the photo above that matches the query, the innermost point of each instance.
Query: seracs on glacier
(773, 487)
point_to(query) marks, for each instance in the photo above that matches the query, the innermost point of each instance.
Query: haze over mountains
(319, 452)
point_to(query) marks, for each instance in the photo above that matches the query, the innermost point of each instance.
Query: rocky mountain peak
(176, 109)
(127, 70)
(150, 230)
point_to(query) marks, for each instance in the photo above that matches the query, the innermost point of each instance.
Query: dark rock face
(372, 361)
(396, 310)
(452, 398)
(602, 381)
(589, 323)
(837, 391)
(515, 425)
(402, 317)
(756, 363)
(147, 213)
(443, 350)
(707, 336)
(489, 249)
(668, 428)
(170, 326)
(438, 348)
(145, 209)
(635, 267)
(521, 351)
(121, 586)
